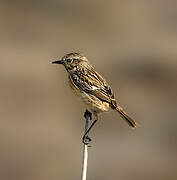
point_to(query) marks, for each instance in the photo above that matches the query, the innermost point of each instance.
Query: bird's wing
(91, 82)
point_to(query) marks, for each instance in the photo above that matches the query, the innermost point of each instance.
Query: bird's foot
(88, 115)
(86, 140)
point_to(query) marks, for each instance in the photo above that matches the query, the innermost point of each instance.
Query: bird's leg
(86, 139)
(88, 117)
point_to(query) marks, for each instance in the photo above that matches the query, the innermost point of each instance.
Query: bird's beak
(58, 62)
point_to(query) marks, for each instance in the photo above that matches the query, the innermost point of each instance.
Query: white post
(84, 163)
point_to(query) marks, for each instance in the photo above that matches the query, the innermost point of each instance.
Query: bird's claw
(88, 115)
(86, 140)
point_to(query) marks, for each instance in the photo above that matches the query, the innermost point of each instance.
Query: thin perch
(88, 117)
(84, 163)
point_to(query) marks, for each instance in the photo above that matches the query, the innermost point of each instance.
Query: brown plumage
(90, 86)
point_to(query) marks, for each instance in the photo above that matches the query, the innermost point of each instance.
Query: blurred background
(133, 44)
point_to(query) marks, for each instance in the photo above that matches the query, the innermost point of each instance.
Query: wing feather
(91, 82)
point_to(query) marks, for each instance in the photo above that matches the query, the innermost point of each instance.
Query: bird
(91, 88)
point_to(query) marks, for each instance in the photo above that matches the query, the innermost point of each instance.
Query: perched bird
(91, 87)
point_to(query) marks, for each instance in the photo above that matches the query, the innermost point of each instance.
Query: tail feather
(125, 116)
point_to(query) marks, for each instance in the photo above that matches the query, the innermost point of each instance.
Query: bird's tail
(125, 116)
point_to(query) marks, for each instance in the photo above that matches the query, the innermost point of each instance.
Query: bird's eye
(69, 60)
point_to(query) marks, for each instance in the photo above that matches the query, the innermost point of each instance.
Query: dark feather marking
(85, 79)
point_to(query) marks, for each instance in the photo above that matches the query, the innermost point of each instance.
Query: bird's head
(71, 61)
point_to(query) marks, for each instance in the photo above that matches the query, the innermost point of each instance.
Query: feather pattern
(87, 80)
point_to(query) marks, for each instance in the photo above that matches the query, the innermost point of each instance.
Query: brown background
(133, 44)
